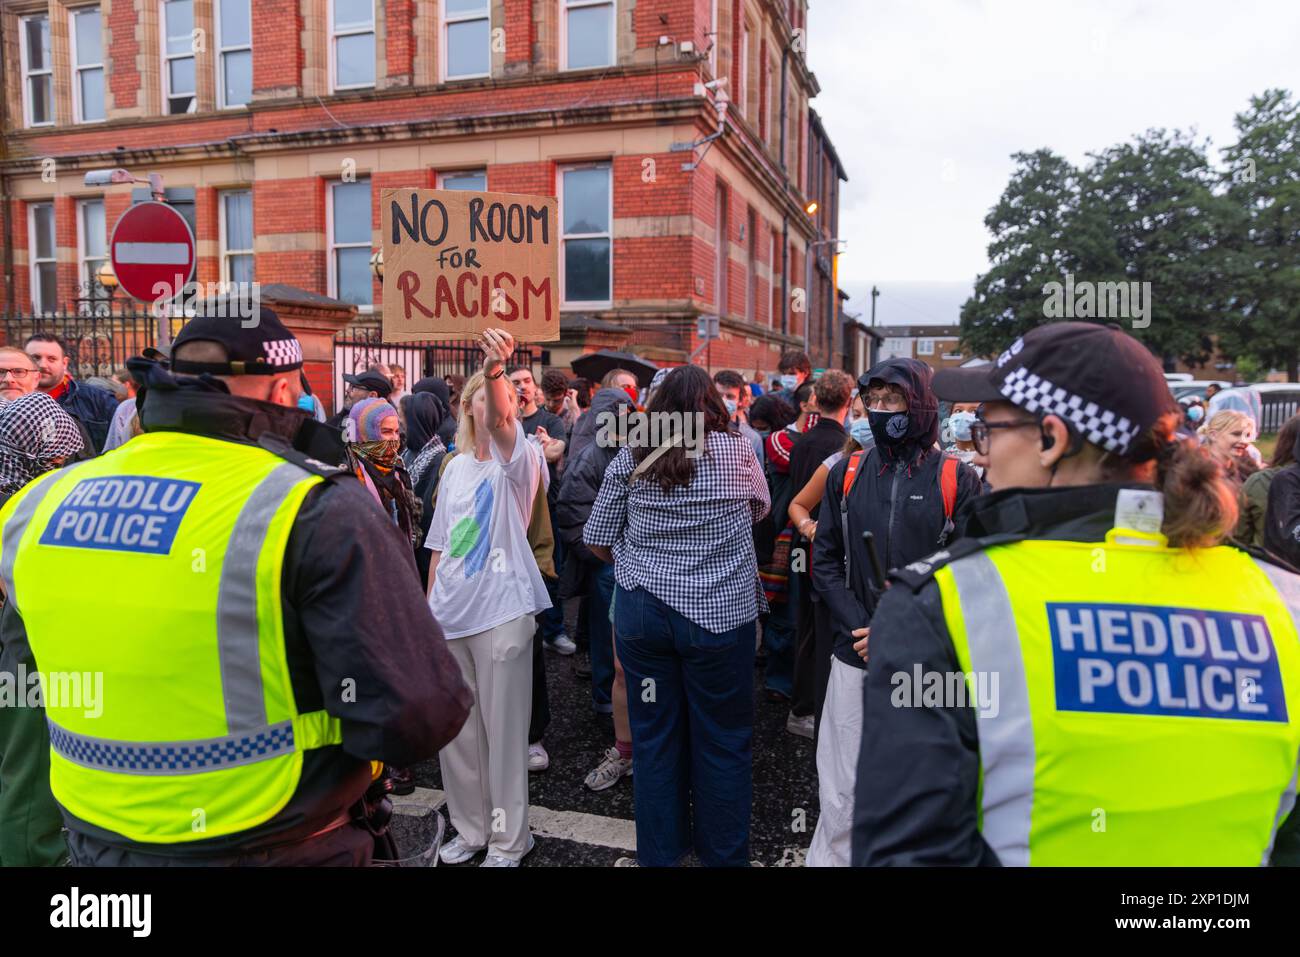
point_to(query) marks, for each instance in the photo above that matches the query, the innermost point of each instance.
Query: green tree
(1263, 247)
(1040, 233)
(1164, 221)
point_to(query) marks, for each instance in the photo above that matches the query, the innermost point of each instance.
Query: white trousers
(485, 768)
(838, 739)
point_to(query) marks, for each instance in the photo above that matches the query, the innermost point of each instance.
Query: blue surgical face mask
(306, 403)
(789, 382)
(861, 432)
(1196, 413)
(959, 423)
(731, 406)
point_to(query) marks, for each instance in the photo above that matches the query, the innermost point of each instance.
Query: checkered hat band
(283, 352)
(1100, 427)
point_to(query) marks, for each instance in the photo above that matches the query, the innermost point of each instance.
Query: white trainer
(801, 725)
(562, 645)
(608, 772)
(496, 860)
(457, 851)
(538, 759)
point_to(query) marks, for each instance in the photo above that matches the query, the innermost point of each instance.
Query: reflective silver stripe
(1284, 806)
(1288, 589)
(173, 757)
(237, 631)
(1006, 737)
(17, 524)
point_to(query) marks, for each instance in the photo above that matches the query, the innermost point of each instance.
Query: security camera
(108, 177)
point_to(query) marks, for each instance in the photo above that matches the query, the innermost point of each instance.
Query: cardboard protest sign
(458, 262)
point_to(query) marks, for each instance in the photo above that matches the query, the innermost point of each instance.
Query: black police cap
(1101, 380)
(262, 347)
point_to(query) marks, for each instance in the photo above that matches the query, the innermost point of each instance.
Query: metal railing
(98, 343)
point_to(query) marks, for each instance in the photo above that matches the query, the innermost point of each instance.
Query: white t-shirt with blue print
(486, 575)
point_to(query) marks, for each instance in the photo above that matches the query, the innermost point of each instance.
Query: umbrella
(595, 365)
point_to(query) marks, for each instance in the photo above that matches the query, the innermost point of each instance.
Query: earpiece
(1048, 440)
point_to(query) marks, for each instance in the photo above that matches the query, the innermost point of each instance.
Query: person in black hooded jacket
(896, 496)
(1282, 517)
(438, 388)
(592, 578)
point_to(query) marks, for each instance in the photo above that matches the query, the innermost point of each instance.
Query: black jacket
(93, 407)
(811, 449)
(354, 617)
(583, 477)
(897, 497)
(918, 768)
(1282, 517)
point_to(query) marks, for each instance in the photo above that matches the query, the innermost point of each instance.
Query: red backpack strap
(948, 485)
(851, 472)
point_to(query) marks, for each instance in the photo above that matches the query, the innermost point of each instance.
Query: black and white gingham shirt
(692, 547)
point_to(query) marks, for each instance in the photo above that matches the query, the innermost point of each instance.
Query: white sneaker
(457, 852)
(608, 772)
(538, 759)
(496, 860)
(802, 726)
(562, 645)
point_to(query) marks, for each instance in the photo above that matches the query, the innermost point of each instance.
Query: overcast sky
(925, 101)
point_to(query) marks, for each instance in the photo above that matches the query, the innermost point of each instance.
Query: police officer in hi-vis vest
(250, 619)
(1091, 674)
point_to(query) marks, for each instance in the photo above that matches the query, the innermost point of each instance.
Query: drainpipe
(6, 227)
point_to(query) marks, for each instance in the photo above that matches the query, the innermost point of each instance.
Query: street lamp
(811, 208)
(808, 256)
(377, 263)
(106, 277)
(112, 177)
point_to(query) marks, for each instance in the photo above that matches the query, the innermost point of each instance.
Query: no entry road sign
(153, 252)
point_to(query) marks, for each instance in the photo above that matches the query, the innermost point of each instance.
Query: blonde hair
(1223, 421)
(466, 432)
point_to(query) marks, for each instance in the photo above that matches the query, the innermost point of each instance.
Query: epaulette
(916, 575)
(301, 459)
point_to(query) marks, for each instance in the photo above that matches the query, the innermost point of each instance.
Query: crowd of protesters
(688, 567)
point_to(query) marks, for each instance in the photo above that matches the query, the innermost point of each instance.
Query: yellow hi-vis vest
(157, 568)
(1143, 702)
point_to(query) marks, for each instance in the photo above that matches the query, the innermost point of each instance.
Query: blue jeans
(779, 643)
(690, 696)
(600, 583)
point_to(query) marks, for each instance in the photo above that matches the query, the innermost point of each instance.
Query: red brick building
(276, 124)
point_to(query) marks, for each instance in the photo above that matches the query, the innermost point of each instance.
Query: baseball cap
(1101, 380)
(371, 381)
(264, 348)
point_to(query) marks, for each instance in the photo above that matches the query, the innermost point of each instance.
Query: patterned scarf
(382, 454)
(420, 465)
(34, 431)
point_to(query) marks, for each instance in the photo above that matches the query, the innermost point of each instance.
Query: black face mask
(890, 428)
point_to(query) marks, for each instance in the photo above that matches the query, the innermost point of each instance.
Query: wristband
(498, 374)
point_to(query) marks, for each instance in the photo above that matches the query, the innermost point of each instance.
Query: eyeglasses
(980, 431)
(17, 373)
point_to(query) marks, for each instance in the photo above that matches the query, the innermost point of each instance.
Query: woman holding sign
(1091, 676)
(485, 590)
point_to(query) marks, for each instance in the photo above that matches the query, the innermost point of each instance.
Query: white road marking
(592, 829)
(576, 826)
